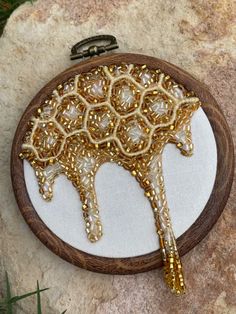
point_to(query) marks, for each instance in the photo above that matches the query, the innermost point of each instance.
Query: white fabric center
(72, 113)
(135, 133)
(177, 92)
(97, 89)
(160, 107)
(126, 95)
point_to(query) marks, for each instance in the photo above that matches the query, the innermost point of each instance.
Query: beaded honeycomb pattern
(119, 113)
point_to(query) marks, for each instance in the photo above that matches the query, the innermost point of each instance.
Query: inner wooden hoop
(191, 237)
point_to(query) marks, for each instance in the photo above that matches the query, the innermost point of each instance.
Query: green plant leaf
(64, 312)
(18, 298)
(8, 305)
(2, 308)
(39, 309)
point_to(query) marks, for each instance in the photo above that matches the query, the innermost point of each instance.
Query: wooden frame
(190, 238)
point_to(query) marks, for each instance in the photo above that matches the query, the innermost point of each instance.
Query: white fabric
(126, 215)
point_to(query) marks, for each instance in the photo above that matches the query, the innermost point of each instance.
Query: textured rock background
(198, 36)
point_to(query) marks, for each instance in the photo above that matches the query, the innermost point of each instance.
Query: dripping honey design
(122, 113)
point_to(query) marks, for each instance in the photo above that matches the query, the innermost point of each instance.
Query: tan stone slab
(198, 36)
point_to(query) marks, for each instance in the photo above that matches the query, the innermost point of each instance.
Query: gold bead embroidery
(124, 114)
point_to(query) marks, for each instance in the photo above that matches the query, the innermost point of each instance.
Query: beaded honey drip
(120, 113)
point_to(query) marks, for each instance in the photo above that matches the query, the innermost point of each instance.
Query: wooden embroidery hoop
(190, 238)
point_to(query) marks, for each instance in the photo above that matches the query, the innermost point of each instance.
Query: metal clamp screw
(77, 52)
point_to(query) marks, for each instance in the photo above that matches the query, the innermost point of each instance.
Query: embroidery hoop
(185, 242)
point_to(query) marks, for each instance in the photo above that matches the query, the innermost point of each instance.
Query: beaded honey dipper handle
(125, 114)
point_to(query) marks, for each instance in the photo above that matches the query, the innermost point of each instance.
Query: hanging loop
(77, 51)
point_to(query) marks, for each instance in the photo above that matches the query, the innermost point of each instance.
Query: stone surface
(198, 36)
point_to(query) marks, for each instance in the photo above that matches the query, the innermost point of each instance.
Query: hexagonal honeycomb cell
(70, 113)
(177, 90)
(144, 76)
(101, 122)
(117, 70)
(93, 86)
(133, 133)
(67, 87)
(47, 139)
(157, 107)
(48, 108)
(125, 96)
